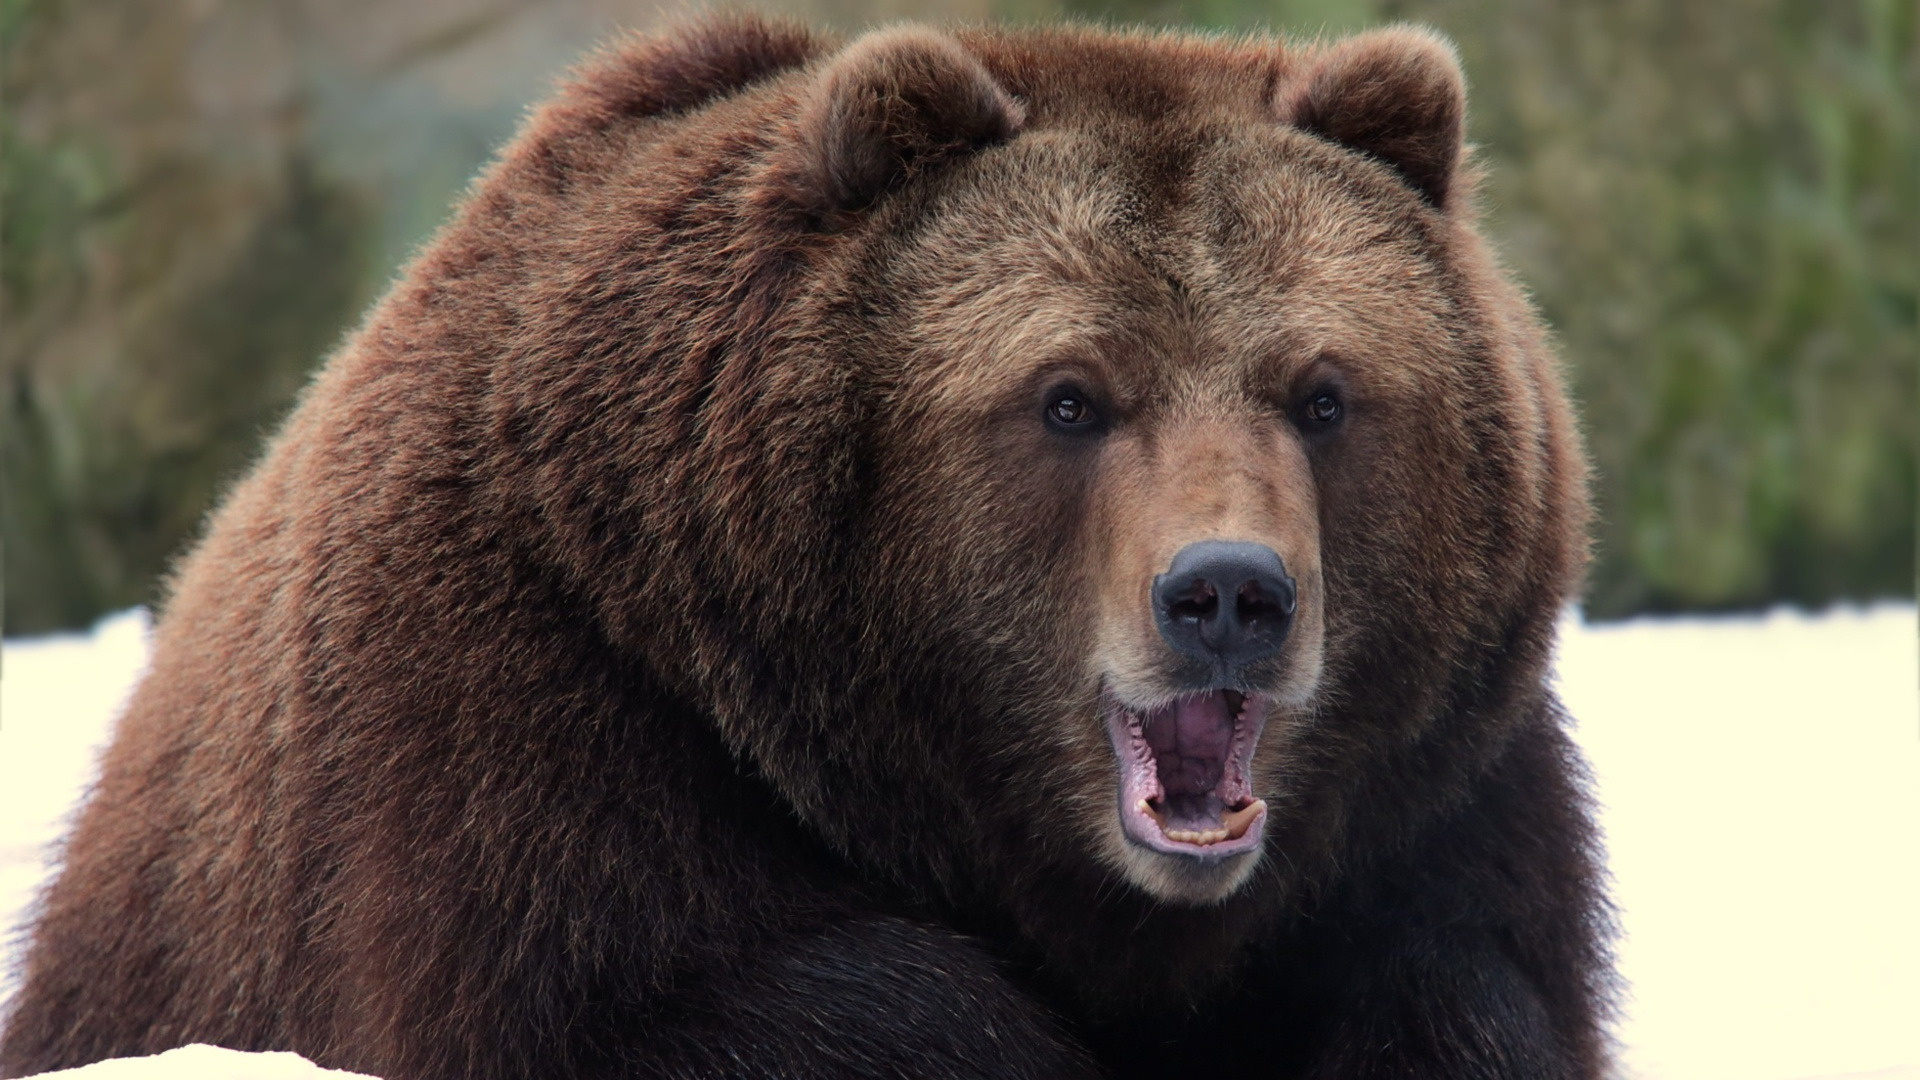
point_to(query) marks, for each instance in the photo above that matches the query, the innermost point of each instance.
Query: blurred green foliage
(165, 286)
(1717, 205)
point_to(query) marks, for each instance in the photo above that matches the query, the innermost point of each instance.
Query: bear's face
(1130, 453)
(1138, 424)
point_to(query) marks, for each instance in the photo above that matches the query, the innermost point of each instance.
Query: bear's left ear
(893, 104)
(1395, 94)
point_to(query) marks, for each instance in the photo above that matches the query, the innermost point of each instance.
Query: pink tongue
(1190, 742)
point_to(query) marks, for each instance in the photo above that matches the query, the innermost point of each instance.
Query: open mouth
(1185, 787)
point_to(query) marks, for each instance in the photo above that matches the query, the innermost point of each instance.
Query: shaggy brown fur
(670, 638)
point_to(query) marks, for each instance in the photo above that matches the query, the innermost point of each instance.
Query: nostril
(1265, 599)
(1198, 603)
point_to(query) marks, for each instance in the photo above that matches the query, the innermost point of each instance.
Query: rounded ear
(1395, 94)
(893, 104)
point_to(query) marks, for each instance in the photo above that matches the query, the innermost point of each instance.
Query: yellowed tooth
(1238, 821)
(1189, 836)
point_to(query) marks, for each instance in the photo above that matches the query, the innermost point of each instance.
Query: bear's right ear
(1396, 95)
(893, 104)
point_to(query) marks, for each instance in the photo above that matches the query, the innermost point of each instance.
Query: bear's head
(1100, 458)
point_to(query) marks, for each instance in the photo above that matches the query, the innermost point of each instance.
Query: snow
(202, 1062)
(1761, 789)
(1760, 782)
(58, 696)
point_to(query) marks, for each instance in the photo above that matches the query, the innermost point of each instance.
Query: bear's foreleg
(875, 997)
(1479, 949)
(1444, 1007)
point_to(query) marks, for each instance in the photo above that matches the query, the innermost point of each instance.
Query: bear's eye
(1323, 408)
(1069, 409)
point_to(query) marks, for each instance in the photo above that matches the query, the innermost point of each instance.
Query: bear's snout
(1227, 604)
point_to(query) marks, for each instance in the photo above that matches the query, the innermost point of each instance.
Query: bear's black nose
(1228, 603)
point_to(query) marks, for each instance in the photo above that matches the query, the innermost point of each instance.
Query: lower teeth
(1211, 836)
(1236, 823)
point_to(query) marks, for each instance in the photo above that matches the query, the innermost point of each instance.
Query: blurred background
(1717, 204)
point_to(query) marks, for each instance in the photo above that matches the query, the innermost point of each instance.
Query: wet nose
(1227, 603)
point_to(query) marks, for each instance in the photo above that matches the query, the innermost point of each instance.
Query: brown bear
(979, 553)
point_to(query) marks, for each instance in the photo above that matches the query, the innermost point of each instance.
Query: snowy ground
(1761, 782)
